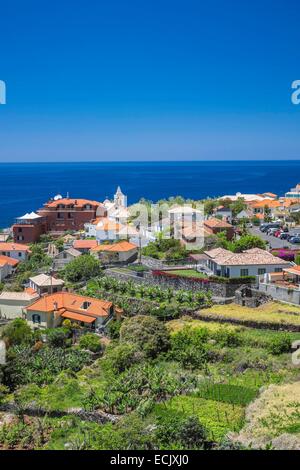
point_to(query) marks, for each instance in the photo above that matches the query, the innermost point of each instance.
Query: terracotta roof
(106, 224)
(254, 256)
(116, 247)
(215, 223)
(21, 296)
(266, 202)
(293, 270)
(65, 301)
(78, 317)
(10, 246)
(84, 244)
(8, 260)
(74, 201)
(270, 194)
(30, 290)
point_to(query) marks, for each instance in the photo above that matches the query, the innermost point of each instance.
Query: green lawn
(187, 273)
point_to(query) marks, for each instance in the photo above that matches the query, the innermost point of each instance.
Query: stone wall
(249, 297)
(219, 289)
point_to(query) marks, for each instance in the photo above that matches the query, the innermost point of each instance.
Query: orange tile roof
(78, 317)
(66, 301)
(214, 223)
(74, 201)
(116, 247)
(29, 290)
(10, 246)
(266, 202)
(106, 224)
(7, 260)
(84, 244)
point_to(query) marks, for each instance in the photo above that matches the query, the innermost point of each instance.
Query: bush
(189, 347)
(148, 334)
(226, 337)
(17, 332)
(121, 357)
(82, 268)
(280, 344)
(91, 342)
(59, 337)
(114, 327)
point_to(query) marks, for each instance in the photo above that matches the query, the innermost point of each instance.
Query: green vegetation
(165, 248)
(83, 268)
(188, 273)
(245, 242)
(182, 384)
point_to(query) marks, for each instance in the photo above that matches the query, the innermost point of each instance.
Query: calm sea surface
(24, 187)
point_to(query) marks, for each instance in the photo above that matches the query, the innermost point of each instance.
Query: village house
(7, 266)
(213, 226)
(64, 257)
(64, 214)
(120, 252)
(51, 310)
(29, 228)
(283, 286)
(84, 246)
(225, 213)
(251, 262)
(15, 250)
(12, 304)
(45, 284)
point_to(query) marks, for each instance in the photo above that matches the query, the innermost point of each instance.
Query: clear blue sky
(149, 80)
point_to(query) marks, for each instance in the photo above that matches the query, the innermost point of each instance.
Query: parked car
(266, 226)
(294, 240)
(277, 233)
(271, 231)
(284, 236)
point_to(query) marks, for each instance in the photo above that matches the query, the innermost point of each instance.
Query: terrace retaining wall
(218, 289)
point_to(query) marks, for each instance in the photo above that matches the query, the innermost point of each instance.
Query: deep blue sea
(24, 187)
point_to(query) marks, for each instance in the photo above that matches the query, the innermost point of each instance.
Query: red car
(278, 233)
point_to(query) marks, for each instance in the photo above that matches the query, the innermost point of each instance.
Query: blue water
(24, 187)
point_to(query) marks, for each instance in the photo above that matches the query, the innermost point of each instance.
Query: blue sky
(149, 80)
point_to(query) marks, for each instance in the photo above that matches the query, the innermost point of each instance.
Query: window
(85, 305)
(60, 215)
(19, 229)
(261, 271)
(244, 272)
(36, 318)
(19, 254)
(20, 237)
(277, 270)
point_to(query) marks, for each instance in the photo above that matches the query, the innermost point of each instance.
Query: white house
(122, 251)
(251, 262)
(44, 284)
(15, 250)
(7, 266)
(12, 304)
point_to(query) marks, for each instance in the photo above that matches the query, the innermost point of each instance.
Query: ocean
(24, 187)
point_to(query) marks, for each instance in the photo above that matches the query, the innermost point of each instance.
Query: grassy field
(272, 313)
(187, 273)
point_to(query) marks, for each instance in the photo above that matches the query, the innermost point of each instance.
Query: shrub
(148, 334)
(82, 268)
(59, 337)
(226, 337)
(280, 344)
(121, 357)
(17, 332)
(189, 347)
(91, 342)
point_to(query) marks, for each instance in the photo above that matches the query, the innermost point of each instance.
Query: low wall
(280, 293)
(219, 289)
(99, 417)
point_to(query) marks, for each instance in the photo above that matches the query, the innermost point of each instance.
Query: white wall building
(251, 262)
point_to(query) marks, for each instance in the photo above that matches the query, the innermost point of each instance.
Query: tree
(120, 357)
(247, 242)
(91, 342)
(17, 332)
(267, 214)
(59, 337)
(82, 268)
(147, 333)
